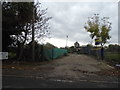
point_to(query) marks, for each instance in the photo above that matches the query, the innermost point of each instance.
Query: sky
(69, 18)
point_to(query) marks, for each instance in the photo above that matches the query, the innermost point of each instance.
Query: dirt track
(71, 67)
(76, 67)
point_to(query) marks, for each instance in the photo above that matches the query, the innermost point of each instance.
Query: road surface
(77, 71)
(27, 82)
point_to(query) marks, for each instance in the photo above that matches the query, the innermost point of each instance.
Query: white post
(66, 40)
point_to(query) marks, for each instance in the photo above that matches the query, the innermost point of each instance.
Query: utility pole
(66, 40)
(33, 43)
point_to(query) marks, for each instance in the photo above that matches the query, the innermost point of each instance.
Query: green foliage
(15, 16)
(17, 21)
(27, 55)
(99, 28)
(113, 48)
(112, 57)
(11, 55)
(49, 46)
(71, 49)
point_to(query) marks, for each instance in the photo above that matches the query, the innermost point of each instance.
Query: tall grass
(112, 57)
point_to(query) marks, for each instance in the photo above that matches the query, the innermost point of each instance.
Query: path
(72, 67)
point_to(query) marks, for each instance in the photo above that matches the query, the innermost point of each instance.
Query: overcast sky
(69, 19)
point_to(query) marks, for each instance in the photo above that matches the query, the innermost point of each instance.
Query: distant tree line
(114, 48)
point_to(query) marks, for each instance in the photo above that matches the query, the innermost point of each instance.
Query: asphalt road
(27, 82)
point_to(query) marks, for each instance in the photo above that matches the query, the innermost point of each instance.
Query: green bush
(11, 55)
(112, 57)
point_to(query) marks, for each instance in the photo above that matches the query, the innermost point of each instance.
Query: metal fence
(50, 54)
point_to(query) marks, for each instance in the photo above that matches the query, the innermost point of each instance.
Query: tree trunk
(102, 52)
(22, 47)
(33, 44)
(21, 52)
(42, 53)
